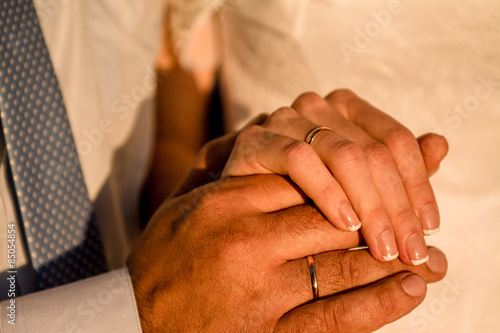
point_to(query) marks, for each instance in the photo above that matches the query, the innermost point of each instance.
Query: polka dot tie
(53, 203)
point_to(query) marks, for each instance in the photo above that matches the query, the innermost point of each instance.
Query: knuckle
(280, 118)
(377, 214)
(216, 234)
(308, 322)
(401, 138)
(385, 302)
(308, 101)
(337, 315)
(341, 95)
(298, 153)
(284, 111)
(234, 245)
(413, 164)
(249, 132)
(379, 303)
(309, 97)
(404, 216)
(248, 136)
(344, 271)
(348, 152)
(252, 139)
(215, 199)
(299, 231)
(208, 200)
(353, 270)
(327, 188)
(378, 154)
(350, 268)
(420, 188)
(199, 211)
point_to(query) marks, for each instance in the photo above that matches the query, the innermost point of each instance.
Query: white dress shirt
(103, 53)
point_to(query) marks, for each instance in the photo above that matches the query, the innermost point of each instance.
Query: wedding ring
(314, 278)
(314, 132)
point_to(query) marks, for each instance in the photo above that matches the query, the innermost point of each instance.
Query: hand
(229, 256)
(368, 165)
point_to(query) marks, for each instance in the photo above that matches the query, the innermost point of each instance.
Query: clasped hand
(229, 255)
(367, 168)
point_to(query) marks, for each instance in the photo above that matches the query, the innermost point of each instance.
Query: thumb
(209, 163)
(362, 310)
(434, 148)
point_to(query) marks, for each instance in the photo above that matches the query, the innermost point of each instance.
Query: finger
(210, 160)
(434, 149)
(252, 194)
(259, 151)
(348, 164)
(389, 184)
(338, 271)
(404, 149)
(364, 182)
(345, 160)
(436, 146)
(298, 231)
(406, 225)
(208, 164)
(362, 310)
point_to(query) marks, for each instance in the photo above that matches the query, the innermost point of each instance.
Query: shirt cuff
(104, 303)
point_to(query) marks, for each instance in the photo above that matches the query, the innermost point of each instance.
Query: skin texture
(369, 167)
(229, 255)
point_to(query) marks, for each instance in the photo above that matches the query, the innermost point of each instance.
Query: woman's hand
(367, 168)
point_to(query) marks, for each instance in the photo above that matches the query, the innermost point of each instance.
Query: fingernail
(414, 285)
(437, 261)
(417, 250)
(430, 220)
(388, 246)
(350, 218)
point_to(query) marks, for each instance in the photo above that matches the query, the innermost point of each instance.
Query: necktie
(52, 198)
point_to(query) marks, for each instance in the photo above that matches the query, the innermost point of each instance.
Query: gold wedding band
(314, 278)
(314, 133)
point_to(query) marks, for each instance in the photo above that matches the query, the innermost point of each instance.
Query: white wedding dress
(433, 65)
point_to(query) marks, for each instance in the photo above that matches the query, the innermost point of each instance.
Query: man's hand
(230, 256)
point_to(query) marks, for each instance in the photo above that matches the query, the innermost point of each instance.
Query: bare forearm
(181, 131)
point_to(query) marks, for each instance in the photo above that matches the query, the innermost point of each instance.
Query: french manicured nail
(388, 246)
(430, 220)
(414, 285)
(350, 218)
(417, 250)
(437, 261)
